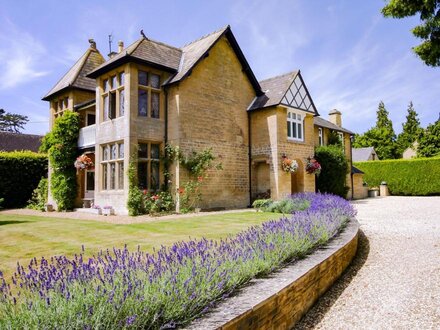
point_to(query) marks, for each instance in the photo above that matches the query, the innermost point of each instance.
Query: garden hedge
(405, 177)
(20, 173)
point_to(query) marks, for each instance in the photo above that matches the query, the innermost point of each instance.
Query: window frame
(320, 136)
(149, 160)
(149, 89)
(109, 182)
(292, 121)
(112, 110)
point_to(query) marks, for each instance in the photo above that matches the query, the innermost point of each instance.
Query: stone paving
(394, 282)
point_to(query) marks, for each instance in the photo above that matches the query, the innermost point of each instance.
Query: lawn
(24, 237)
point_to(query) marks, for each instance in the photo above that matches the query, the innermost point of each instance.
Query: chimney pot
(335, 117)
(120, 46)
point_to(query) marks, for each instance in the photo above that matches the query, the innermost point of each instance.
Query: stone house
(364, 154)
(202, 95)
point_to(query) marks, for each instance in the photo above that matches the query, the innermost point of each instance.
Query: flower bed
(118, 288)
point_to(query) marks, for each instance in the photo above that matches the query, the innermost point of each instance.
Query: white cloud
(20, 56)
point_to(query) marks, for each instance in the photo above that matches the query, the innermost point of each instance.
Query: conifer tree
(429, 144)
(382, 136)
(411, 130)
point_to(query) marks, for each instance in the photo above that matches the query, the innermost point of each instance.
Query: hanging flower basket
(289, 165)
(83, 162)
(312, 166)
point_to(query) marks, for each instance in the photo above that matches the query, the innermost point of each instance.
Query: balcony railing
(87, 136)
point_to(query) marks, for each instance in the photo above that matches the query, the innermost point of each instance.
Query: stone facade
(205, 101)
(208, 110)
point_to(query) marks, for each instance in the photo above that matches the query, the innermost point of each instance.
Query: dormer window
(295, 125)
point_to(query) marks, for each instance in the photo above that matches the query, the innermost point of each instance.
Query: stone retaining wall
(279, 301)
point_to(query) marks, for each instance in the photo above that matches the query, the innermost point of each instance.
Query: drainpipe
(250, 158)
(166, 129)
(351, 165)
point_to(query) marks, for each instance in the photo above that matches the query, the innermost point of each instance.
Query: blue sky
(350, 56)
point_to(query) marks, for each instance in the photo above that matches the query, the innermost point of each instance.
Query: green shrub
(285, 206)
(20, 172)
(39, 196)
(405, 177)
(334, 170)
(261, 204)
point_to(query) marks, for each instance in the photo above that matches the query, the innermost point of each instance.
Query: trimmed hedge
(20, 173)
(405, 177)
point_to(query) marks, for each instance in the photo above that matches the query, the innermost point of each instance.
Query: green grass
(24, 237)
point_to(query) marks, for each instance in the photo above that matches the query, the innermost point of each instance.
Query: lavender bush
(165, 289)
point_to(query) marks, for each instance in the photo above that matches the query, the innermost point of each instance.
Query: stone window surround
(106, 168)
(60, 105)
(149, 160)
(120, 88)
(290, 120)
(150, 90)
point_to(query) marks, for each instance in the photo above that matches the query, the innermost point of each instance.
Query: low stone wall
(279, 301)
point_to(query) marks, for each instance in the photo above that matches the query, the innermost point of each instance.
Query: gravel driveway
(394, 281)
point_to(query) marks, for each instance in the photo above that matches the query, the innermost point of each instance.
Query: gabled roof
(195, 51)
(147, 51)
(178, 61)
(76, 77)
(355, 170)
(318, 121)
(362, 154)
(15, 141)
(288, 89)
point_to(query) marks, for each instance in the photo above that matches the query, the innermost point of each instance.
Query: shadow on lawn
(11, 222)
(323, 305)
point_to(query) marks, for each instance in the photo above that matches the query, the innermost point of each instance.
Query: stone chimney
(92, 43)
(335, 117)
(120, 46)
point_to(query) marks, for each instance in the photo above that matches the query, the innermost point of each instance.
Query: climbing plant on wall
(61, 145)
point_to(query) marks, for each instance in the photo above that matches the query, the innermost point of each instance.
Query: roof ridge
(281, 75)
(164, 44)
(207, 35)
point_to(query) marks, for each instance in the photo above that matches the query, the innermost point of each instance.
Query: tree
(381, 136)
(411, 130)
(334, 170)
(11, 122)
(428, 31)
(429, 143)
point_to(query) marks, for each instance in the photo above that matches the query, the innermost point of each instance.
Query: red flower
(155, 197)
(200, 178)
(145, 191)
(181, 190)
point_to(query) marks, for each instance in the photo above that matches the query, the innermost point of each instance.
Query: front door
(90, 184)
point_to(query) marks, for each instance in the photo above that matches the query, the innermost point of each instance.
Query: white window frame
(341, 138)
(320, 137)
(293, 121)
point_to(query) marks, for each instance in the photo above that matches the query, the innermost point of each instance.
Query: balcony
(87, 137)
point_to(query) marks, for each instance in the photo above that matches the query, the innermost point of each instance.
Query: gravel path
(394, 281)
